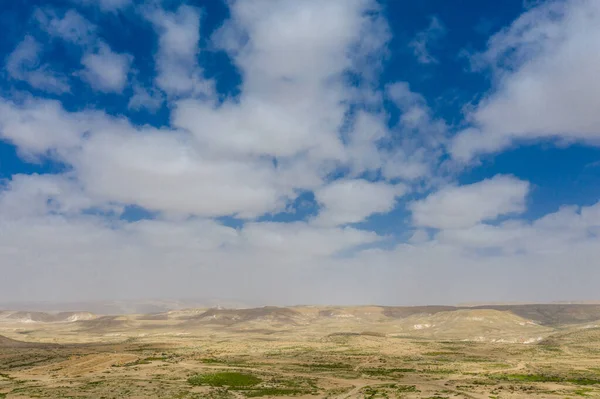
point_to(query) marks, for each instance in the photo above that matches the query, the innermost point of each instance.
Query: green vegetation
(547, 378)
(255, 393)
(529, 378)
(386, 371)
(28, 364)
(215, 393)
(438, 371)
(407, 388)
(156, 359)
(327, 366)
(387, 391)
(582, 392)
(372, 393)
(247, 383)
(225, 379)
(211, 360)
(146, 360)
(550, 348)
(134, 363)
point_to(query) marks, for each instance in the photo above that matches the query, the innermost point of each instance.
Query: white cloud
(39, 127)
(554, 233)
(24, 64)
(545, 65)
(71, 27)
(456, 207)
(422, 136)
(362, 151)
(302, 240)
(292, 57)
(26, 196)
(147, 167)
(279, 263)
(291, 107)
(259, 127)
(150, 99)
(144, 166)
(425, 38)
(417, 116)
(419, 236)
(130, 257)
(219, 159)
(297, 40)
(106, 70)
(178, 72)
(352, 201)
(32, 195)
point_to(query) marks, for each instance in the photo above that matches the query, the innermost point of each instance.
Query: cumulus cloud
(127, 258)
(545, 64)
(425, 39)
(71, 26)
(24, 64)
(106, 70)
(422, 136)
(455, 207)
(178, 72)
(146, 168)
(554, 233)
(26, 196)
(38, 127)
(143, 166)
(277, 263)
(301, 240)
(219, 158)
(142, 97)
(122, 254)
(352, 201)
(293, 58)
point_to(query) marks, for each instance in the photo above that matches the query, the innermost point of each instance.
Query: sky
(300, 152)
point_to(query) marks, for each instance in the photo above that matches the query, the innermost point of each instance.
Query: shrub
(229, 379)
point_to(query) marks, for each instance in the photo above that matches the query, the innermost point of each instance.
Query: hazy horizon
(132, 306)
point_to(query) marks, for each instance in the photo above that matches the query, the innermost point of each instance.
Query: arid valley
(509, 351)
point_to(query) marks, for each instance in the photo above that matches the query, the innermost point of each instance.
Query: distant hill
(119, 307)
(526, 323)
(474, 325)
(11, 343)
(233, 316)
(42, 317)
(106, 323)
(6, 342)
(552, 314)
(400, 312)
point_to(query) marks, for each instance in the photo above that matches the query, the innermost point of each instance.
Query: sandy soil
(299, 352)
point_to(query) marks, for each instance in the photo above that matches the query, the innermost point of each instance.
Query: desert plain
(494, 351)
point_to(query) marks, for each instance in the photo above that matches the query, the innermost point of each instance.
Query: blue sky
(397, 151)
